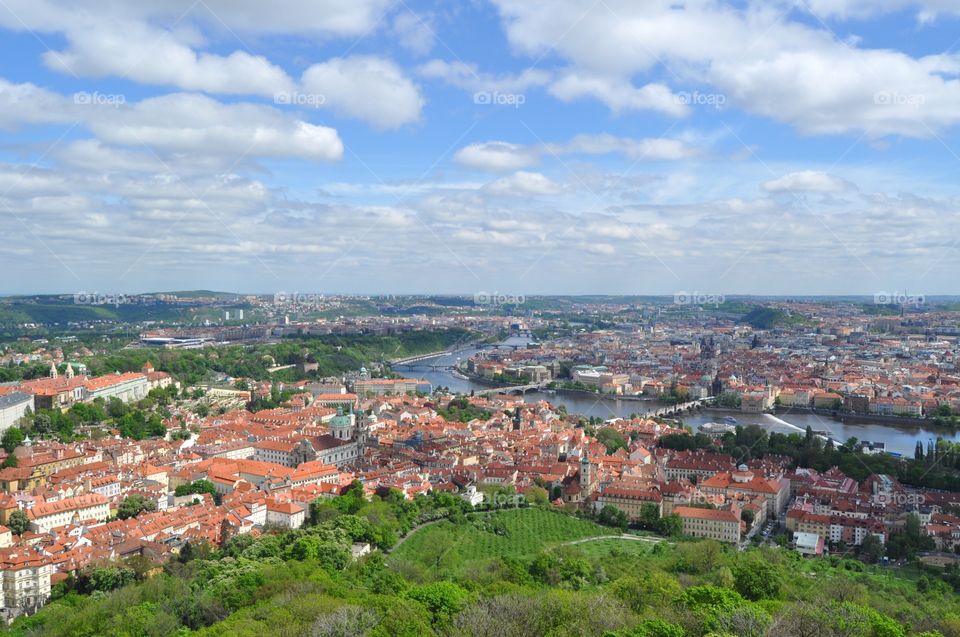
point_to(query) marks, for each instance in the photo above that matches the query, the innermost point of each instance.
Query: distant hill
(193, 294)
(765, 318)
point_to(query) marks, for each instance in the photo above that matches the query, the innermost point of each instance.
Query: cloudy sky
(510, 146)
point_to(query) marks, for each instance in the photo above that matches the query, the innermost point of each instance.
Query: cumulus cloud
(618, 94)
(502, 156)
(471, 78)
(178, 122)
(368, 88)
(807, 181)
(496, 156)
(148, 55)
(783, 69)
(662, 148)
(153, 42)
(414, 32)
(523, 183)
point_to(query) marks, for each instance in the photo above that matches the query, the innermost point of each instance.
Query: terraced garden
(509, 533)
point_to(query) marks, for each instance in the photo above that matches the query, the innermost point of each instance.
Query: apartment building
(630, 500)
(13, 407)
(48, 515)
(24, 580)
(713, 524)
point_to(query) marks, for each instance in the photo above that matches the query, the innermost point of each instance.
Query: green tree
(612, 516)
(442, 599)
(871, 549)
(134, 505)
(18, 522)
(757, 579)
(612, 439)
(12, 438)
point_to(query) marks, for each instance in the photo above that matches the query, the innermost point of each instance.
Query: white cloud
(807, 181)
(496, 156)
(196, 123)
(502, 156)
(471, 78)
(523, 183)
(152, 56)
(158, 42)
(618, 94)
(368, 88)
(339, 18)
(755, 59)
(927, 10)
(414, 32)
(662, 148)
(178, 122)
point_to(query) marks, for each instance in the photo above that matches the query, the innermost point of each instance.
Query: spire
(53, 371)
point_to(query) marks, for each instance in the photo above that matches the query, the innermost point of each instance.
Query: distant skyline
(525, 147)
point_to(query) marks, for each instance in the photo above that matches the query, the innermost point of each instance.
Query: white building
(24, 579)
(472, 496)
(13, 407)
(48, 515)
(286, 514)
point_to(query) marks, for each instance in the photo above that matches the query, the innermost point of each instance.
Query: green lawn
(509, 533)
(612, 547)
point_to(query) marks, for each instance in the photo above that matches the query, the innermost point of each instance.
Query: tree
(612, 516)
(18, 522)
(748, 516)
(134, 505)
(42, 425)
(649, 516)
(612, 439)
(871, 549)
(11, 439)
(670, 525)
(442, 599)
(757, 579)
(537, 496)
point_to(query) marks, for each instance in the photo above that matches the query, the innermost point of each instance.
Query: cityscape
(521, 318)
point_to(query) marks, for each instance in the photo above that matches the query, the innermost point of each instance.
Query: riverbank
(855, 417)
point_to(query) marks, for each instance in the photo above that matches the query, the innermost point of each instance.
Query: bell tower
(586, 474)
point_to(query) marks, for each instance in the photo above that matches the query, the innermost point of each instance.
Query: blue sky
(516, 146)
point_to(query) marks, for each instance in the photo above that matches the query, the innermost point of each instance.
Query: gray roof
(15, 398)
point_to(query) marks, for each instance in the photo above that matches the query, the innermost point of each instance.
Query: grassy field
(509, 533)
(613, 547)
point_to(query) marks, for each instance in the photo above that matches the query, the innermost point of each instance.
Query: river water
(898, 438)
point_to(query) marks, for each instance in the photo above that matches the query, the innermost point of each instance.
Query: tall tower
(53, 371)
(586, 474)
(69, 372)
(342, 425)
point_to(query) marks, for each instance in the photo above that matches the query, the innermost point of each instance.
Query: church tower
(69, 372)
(342, 425)
(53, 371)
(586, 475)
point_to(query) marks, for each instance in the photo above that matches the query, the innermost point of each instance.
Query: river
(898, 438)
